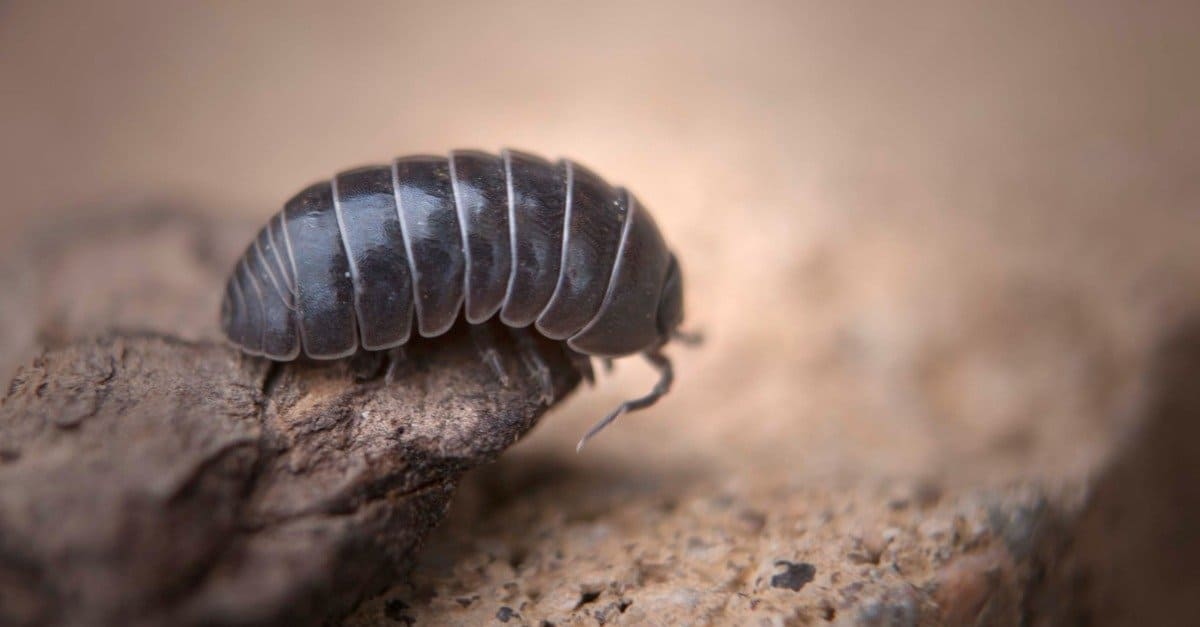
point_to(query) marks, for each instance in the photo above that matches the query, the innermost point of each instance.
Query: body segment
(324, 287)
(593, 225)
(628, 318)
(536, 202)
(425, 200)
(379, 267)
(481, 196)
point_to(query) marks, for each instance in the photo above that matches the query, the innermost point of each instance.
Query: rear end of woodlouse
(378, 253)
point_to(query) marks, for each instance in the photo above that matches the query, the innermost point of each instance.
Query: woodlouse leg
(484, 337)
(365, 366)
(397, 359)
(583, 364)
(665, 377)
(528, 350)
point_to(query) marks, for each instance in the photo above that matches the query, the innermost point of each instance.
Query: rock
(784, 573)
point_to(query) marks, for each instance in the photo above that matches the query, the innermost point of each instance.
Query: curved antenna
(665, 377)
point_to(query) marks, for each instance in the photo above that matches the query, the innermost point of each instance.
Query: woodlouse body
(354, 261)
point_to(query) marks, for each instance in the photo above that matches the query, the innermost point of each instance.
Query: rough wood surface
(147, 479)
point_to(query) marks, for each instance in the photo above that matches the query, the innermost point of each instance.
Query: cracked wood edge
(146, 479)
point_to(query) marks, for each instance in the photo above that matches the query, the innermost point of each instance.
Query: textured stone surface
(731, 554)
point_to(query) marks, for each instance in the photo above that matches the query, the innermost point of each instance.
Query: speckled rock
(718, 555)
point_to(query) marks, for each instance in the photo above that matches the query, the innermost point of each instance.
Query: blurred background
(924, 240)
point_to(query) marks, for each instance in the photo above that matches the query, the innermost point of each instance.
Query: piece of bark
(146, 479)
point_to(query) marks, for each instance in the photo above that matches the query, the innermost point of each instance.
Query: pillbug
(364, 259)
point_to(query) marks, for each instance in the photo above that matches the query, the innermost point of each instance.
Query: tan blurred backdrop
(919, 236)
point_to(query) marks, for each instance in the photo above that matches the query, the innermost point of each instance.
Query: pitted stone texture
(557, 553)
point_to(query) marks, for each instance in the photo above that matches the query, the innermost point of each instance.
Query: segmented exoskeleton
(352, 262)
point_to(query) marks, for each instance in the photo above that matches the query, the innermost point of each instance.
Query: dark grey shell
(351, 262)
